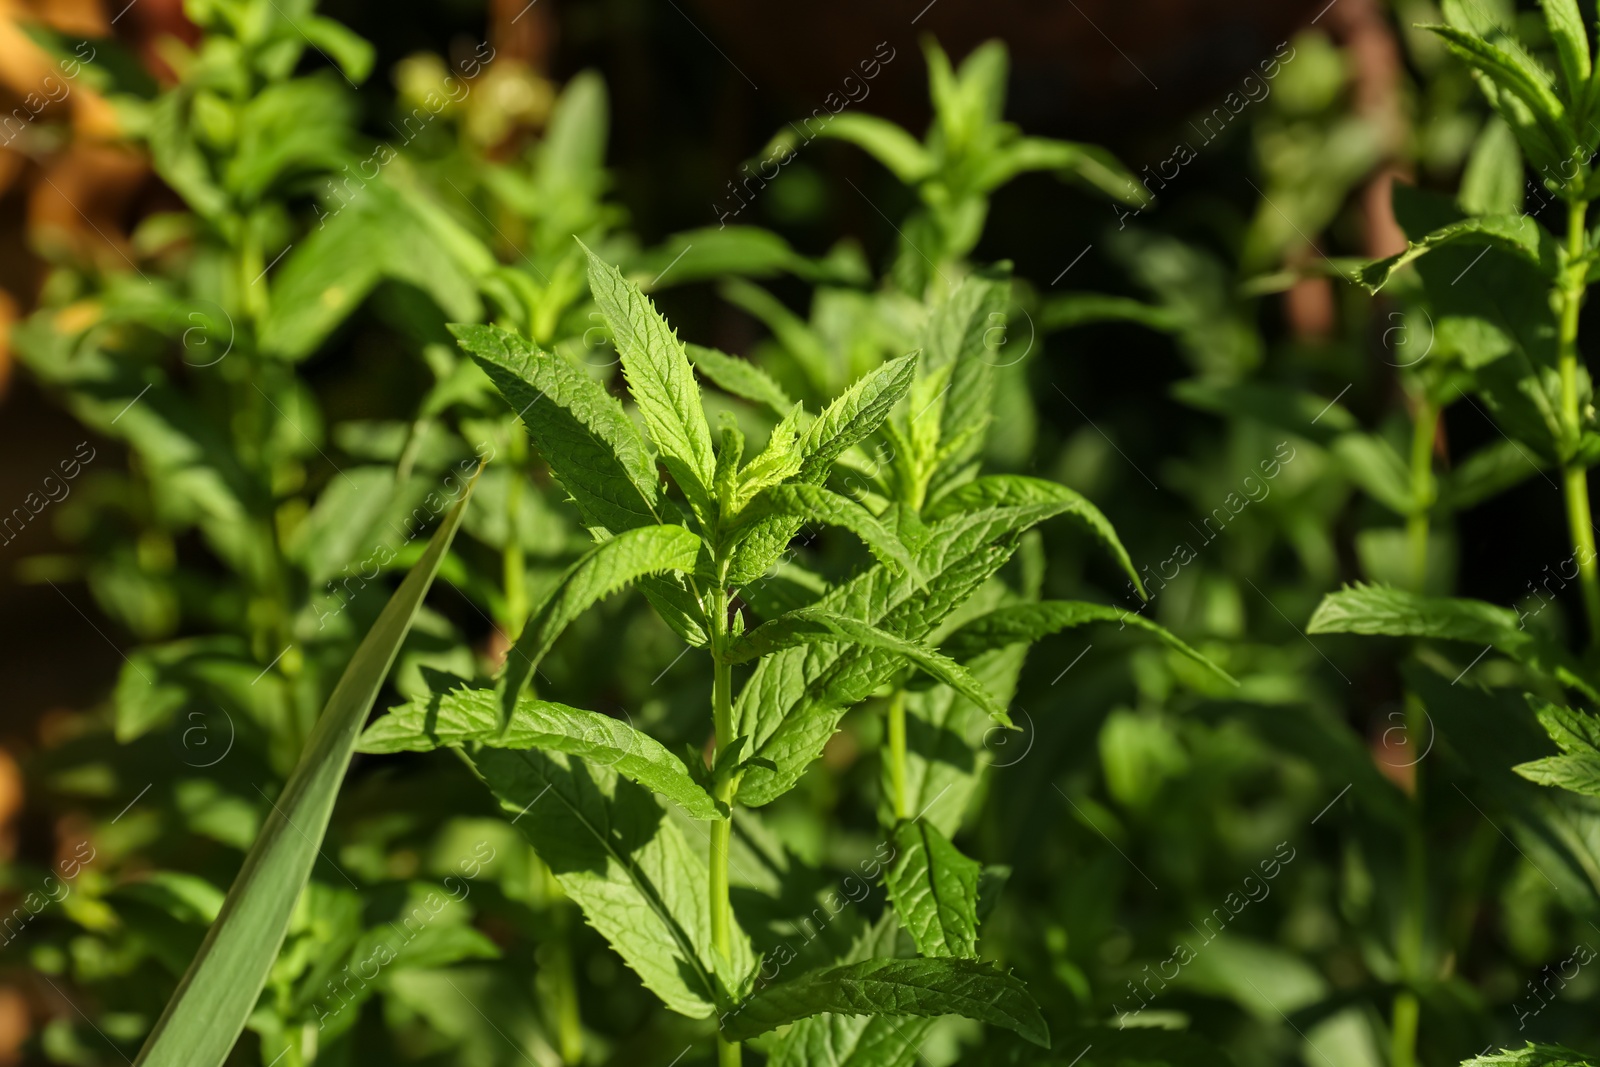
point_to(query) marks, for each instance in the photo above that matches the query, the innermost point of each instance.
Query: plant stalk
(897, 755)
(563, 977)
(556, 983)
(569, 1026)
(1407, 1010)
(1403, 1031)
(1575, 481)
(1424, 429)
(271, 623)
(721, 829)
(728, 1054)
(513, 564)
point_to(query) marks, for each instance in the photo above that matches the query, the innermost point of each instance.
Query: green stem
(1403, 1033)
(569, 1027)
(557, 983)
(1407, 1011)
(563, 977)
(514, 565)
(252, 286)
(272, 627)
(721, 829)
(1576, 483)
(897, 755)
(1423, 431)
(724, 789)
(1574, 476)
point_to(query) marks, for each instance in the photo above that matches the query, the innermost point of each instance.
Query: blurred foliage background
(1192, 366)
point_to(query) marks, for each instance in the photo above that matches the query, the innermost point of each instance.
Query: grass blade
(219, 991)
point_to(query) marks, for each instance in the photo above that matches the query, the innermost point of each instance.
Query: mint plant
(665, 910)
(1505, 310)
(580, 784)
(969, 152)
(1503, 294)
(968, 404)
(1519, 352)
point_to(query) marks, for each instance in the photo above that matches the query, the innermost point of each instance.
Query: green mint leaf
(1577, 734)
(599, 572)
(890, 145)
(1507, 68)
(1027, 623)
(1571, 38)
(854, 415)
(659, 378)
(777, 463)
(895, 987)
(1517, 235)
(1382, 609)
(741, 378)
(1577, 772)
(629, 868)
(1033, 500)
(856, 1040)
(1572, 731)
(581, 430)
(472, 717)
(798, 503)
(1533, 1055)
(810, 626)
(794, 699)
(957, 391)
(730, 453)
(934, 889)
(1087, 165)
(677, 606)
